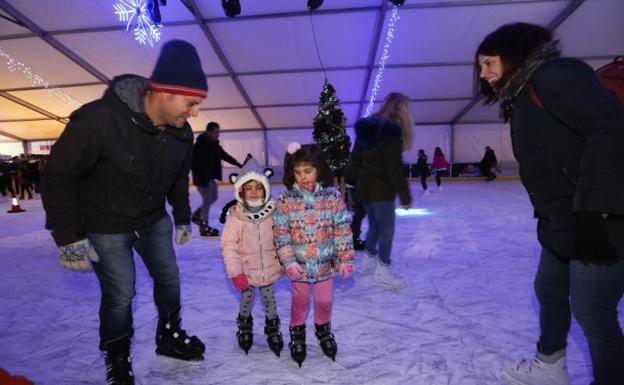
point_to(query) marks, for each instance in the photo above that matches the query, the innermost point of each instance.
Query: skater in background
(249, 253)
(6, 179)
(359, 212)
(568, 131)
(488, 162)
(313, 241)
(377, 166)
(421, 169)
(105, 189)
(24, 180)
(439, 166)
(206, 169)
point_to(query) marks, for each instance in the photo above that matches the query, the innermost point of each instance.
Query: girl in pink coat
(440, 166)
(249, 254)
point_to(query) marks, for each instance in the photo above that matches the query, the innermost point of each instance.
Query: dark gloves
(592, 241)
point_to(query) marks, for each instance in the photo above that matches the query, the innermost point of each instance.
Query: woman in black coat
(568, 137)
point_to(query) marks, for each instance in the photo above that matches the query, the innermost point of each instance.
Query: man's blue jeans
(116, 273)
(380, 229)
(591, 293)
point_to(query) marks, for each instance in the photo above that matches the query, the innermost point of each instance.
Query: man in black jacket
(104, 191)
(207, 170)
(488, 162)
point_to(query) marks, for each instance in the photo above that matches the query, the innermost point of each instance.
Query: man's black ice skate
(245, 332)
(207, 231)
(118, 362)
(274, 336)
(172, 341)
(297, 344)
(326, 340)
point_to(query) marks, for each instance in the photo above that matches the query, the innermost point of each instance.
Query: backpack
(612, 76)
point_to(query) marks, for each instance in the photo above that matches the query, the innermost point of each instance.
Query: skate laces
(389, 275)
(527, 366)
(179, 333)
(538, 367)
(122, 369)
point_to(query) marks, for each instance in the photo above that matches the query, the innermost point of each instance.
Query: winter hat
(179, 70)
(251, 171)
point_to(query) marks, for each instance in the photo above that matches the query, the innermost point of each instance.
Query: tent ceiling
(262, 66)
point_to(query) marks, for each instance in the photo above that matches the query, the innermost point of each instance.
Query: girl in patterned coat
(312, 235)
(249, 254)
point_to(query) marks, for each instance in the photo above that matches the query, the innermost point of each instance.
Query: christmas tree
(329, 131)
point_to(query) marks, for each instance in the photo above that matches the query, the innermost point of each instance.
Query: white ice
(469, 307)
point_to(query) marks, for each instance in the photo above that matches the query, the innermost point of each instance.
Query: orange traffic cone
(15, 207)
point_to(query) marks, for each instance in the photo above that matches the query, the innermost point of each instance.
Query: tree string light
(15, 65)
(394, 17)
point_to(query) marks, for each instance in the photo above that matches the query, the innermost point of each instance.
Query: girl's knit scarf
(258, 214)
(516, 82)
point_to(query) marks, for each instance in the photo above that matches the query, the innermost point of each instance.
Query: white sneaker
(537, 372)
(384, 277)
(369, 261)
(425, 193)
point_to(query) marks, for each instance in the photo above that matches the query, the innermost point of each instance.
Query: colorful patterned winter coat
(313, 229)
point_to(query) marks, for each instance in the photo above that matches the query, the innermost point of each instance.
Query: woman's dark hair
(308, 153)
(514, 43)
(438, 152)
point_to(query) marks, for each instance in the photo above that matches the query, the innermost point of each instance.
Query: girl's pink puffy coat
(248, 249)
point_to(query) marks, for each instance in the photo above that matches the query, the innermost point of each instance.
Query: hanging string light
(394, 18)
(15, 65)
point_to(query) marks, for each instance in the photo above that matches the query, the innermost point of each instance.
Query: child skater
(313, 239)
(422, 170)
(249, 254)
(440, 165)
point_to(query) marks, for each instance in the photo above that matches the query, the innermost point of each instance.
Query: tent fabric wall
(428, 138)
(11, 148)
(469, 141)
(239, 144)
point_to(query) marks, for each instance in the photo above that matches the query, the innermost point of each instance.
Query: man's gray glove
(183, 234)
(78, 256)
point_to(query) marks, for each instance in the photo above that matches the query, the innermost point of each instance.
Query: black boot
(245, 332)
(297, 343)
(274, 336)
(172, 340)
(118, 362)
(196, 217)
(326, 340)
(207, 231)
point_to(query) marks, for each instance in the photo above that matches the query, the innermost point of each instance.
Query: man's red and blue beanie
(179, 71)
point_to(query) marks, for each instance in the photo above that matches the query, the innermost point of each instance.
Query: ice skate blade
(173, 357)
(390, 287)
(506, 377)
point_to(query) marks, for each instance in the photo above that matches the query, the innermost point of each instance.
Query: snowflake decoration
(135, 12)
